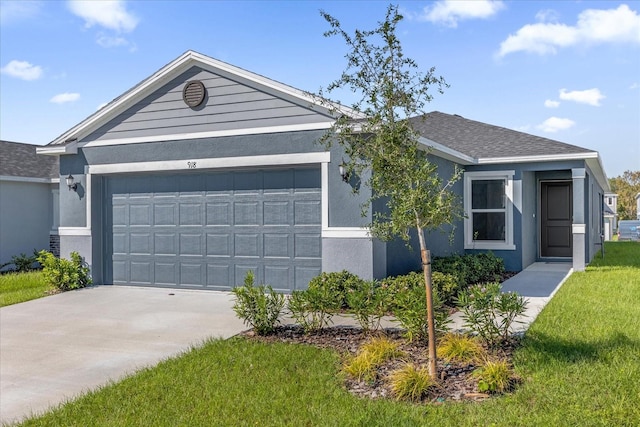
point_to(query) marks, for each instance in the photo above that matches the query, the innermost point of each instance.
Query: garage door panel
(307, 213)
(140, 243)
(141, 272)
(207, 230)
(164, 214)
(164, 243)
(246, 213)
(140, 214)
(276, 213)
(278, 277)
(191, 274)
(165, 273)
(307, 245)
(247, 245)
(303, 276)
(191, 244)
(120, 246)
(219, 245)
(219, 213)
(276, 245)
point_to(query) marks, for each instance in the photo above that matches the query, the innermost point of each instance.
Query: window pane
(487, 194)
(488, 226)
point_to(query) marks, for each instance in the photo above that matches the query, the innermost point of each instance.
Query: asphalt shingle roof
(19, 159)
(481, 140)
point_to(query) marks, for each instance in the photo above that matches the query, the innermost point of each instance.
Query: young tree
(381, 139)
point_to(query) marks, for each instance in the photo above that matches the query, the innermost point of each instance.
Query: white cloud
(555, 124)
(15, 11)
(22, 70)
(110, 14)
(551, 104)
(634, 85)
(449, 12)
(62, 98)
(589, 96)
(106, 41)
(621, 25)
(547, 15)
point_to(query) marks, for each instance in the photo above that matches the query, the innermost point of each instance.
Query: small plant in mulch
(411, 382)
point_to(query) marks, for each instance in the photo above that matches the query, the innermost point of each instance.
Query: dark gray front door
(556, 219)
(205, 231)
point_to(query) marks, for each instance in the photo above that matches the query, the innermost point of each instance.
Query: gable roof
(19, 160)
(67, 142)
(481, 143)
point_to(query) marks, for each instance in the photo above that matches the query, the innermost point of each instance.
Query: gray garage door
(206, 230)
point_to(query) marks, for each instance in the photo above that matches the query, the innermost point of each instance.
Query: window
(488, 204)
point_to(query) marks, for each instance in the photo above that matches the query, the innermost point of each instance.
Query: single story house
(28, 201)
(204, 171)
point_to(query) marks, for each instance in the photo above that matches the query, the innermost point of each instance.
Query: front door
(556, 217)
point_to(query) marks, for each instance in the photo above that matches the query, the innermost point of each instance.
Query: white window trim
(469, 243)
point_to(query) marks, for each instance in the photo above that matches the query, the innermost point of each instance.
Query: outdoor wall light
(342, 168)
(72, 185)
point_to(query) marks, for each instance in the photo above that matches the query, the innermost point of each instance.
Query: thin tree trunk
(426, 267)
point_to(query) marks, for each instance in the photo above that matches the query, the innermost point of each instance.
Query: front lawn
(580, 365)
(21, 287)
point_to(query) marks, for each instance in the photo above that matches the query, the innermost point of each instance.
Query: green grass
(580, 365)
(21, 287)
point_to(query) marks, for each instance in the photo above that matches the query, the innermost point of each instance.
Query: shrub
(446, 286)
(409, 306)
(411, 383)
(470, 269)
(371, 355)
(313, 308)
(494, 377)
(368, 303)
(258, 306)
(336, 284)
(460, 348)
(23, 262)
(489, 312)
(62, 274)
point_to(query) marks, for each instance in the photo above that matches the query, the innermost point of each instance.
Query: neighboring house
(638, 206)
(204, 171)
(610, 215)
(28, 200)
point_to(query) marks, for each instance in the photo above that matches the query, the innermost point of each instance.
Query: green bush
(336, 284)
(470, 269)
(408, 303)
(23, 262)
(489, 312)
(62, 274)
(258, 306)
(368, 303)
(313, 308)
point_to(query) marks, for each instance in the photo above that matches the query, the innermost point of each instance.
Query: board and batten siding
(229, 105)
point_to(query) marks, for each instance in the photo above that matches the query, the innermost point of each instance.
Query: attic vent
(193, 93)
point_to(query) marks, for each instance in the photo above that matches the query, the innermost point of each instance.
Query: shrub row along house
(205, 171)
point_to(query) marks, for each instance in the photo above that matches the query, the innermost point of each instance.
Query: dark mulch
(456, 381)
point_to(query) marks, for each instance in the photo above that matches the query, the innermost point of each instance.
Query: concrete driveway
(53, 348)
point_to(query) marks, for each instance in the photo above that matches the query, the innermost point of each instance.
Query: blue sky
(566, 70)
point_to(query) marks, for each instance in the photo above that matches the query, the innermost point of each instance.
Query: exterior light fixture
(342, 168)
(72, 185)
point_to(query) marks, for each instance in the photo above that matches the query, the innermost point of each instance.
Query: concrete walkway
(54, 348)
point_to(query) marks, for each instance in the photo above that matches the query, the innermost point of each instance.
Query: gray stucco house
(204, 171)
(28, 200)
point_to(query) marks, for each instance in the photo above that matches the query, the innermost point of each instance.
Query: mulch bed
(455, 381)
